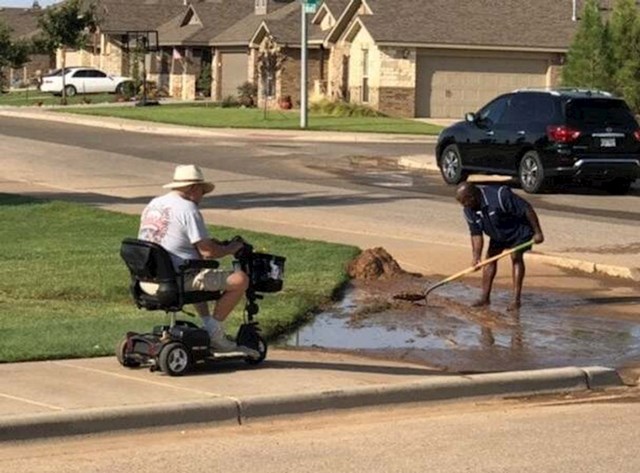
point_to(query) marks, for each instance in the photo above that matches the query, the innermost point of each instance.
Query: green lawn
(35, 97)
(211, 116)
(64, 290)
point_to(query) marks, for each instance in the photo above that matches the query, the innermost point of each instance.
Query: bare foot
(481, 303)
(514, 306)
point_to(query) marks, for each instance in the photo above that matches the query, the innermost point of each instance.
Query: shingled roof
(23, 22)
(539, 25)
(285, 26)
(243, 30)
(336, 7)
(136, 15)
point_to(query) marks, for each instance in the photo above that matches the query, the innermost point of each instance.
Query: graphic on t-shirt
(154, 223)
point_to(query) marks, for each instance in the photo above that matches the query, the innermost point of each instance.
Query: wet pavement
(550, 330)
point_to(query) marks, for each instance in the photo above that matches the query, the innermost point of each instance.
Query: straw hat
(187, 175)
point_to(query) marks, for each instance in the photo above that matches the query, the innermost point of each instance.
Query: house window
(269, 84)
(365, 76)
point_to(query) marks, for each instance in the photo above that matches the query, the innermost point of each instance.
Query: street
(288, 186)
(554, 434)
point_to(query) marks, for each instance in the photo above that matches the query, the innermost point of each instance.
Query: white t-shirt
(174, 223)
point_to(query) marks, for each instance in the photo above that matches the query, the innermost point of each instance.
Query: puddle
(449, 334)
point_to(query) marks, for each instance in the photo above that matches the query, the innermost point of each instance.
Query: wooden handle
(472, 269)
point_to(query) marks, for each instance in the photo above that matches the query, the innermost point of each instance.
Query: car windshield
(599, 112)
(54, 73)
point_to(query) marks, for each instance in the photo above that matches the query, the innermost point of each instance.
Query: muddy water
(549, 330)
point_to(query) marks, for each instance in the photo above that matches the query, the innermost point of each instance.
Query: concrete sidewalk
(71, 397)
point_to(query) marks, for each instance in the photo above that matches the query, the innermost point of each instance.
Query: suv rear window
(599, 112)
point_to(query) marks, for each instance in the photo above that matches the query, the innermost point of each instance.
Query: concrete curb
(589, 267)
(233, 411)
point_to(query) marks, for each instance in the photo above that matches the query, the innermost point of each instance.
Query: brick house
(438, 58)
(410, 58)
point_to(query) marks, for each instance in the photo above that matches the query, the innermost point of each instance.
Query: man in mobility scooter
(171, 265)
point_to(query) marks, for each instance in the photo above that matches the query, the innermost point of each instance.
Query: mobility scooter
(177, 347)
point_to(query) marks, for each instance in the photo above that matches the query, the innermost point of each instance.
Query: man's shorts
(496, 247)
(205, 280)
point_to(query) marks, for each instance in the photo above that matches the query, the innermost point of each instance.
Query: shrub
(247, 94)
(229, 102)
(340, 108)
(203, 84)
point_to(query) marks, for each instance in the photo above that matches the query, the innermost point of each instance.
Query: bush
(344, 109)
(203, 84)
(229, 102)
(247, 94)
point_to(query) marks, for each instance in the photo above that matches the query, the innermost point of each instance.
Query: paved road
(313, 182)
(551, 437)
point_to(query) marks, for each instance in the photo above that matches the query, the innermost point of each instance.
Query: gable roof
(242, 31)
(22, 22)
(285, 27)
(336, 7)
(136, 15)
(543, 24)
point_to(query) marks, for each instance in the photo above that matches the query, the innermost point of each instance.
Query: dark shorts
(496, 246)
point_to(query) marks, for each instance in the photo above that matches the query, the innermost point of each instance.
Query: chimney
(261, 7)
(574, 11)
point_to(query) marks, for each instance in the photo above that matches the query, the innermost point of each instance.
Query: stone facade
(396, 91)
(338, 72)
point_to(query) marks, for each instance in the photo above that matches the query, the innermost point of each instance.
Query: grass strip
(64, 289)
(33, 98)
(215, 117)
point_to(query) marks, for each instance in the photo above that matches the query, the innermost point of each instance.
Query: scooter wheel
(261, 347)
(123, 357)
(174, 359)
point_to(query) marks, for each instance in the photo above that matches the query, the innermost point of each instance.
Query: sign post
(306, 6)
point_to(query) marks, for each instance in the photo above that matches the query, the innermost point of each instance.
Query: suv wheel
(531, 173)
(451, 165)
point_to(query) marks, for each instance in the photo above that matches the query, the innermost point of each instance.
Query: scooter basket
(267, 272)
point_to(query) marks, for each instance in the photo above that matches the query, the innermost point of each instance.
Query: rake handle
(482, 263)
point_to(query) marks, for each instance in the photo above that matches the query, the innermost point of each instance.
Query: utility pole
(306, 6)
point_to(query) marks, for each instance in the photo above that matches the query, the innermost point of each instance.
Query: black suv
(545, 137)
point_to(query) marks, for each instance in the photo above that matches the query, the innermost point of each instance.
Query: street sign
(310, 6)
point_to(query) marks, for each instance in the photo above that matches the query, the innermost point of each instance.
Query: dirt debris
(373, 264)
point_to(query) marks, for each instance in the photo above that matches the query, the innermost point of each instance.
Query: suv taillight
(562, 133)
(636, 135)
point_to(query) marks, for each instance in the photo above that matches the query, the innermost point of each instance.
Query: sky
(25, 3)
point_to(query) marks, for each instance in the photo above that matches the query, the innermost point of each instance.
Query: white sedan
(84, 80)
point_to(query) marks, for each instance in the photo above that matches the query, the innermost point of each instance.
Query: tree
(13, 54)
(590, 60)
(270, 62)
(625, 35)
(68, 26)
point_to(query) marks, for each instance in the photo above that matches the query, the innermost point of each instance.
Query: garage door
(448, 87)
(233, 73)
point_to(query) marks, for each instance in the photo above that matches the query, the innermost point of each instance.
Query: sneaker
(250, 352)
(220, 342)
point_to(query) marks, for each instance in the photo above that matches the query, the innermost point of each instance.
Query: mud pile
(374, 264)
